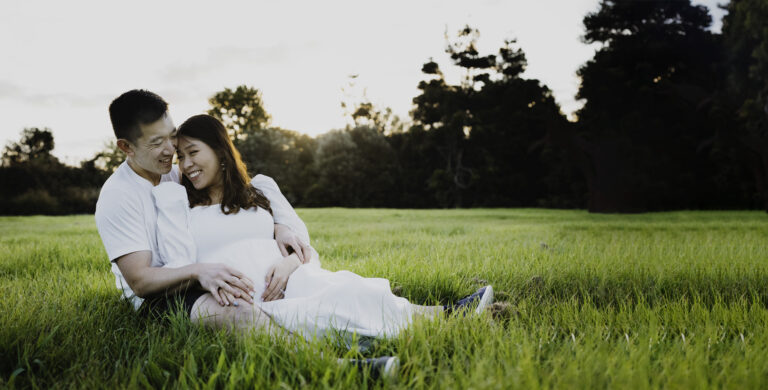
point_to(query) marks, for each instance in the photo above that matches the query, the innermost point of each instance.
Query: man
(126, 219)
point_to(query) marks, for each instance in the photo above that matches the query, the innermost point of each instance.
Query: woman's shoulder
(261, 182)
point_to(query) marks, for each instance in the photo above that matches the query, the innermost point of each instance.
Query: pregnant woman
(218, 215)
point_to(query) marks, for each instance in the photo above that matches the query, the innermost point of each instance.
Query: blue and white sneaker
(482, 298)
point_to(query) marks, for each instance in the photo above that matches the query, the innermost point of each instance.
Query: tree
(241, 111)
(109, 158)
(508, 139)
(363, 112)
(746, 42)
(444, 110)
(383, 120)
(644, 129)
(482, 139)
(34, 182)
(355, 168)
(35, 146)
(286, 156)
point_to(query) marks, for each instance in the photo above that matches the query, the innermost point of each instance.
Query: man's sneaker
(380, 367)
(482, 298)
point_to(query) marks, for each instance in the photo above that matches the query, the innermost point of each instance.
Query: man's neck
(153, 178)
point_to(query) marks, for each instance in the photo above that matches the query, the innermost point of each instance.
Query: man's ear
(125, 146)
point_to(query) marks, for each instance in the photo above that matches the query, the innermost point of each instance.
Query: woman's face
(199, 163)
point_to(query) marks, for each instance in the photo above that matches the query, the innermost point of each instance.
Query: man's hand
(287, 239)
(277, 277)
(224, 283)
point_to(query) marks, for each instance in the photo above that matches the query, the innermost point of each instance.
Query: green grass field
(674, 300)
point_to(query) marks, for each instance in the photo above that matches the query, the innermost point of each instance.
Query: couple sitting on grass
(228, 250)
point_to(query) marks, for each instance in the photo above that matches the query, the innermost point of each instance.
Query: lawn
(673, 300)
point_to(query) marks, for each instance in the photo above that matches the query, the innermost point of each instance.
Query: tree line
(674, 117)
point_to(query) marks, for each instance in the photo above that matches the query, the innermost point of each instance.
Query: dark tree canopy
(745, 40)
(33, 181)
(35, 146)
(240, 110)
(644, 127)
(284, 155)
(355, 167)
(109, 158)
(482, 140)
(621, 19)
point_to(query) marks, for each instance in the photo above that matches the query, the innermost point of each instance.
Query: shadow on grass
(99, 341)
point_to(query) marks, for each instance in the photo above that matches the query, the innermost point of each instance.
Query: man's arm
(289, 243)
(223, 282)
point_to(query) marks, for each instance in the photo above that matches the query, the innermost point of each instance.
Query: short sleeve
(282, 211)
(120, 221)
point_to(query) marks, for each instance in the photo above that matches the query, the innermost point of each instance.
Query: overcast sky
(62, 62)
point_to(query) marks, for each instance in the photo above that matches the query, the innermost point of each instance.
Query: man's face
(153, 151)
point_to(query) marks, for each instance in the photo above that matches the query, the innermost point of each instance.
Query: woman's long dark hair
(237, 191)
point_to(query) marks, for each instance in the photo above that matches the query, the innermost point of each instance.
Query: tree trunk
(607, 166)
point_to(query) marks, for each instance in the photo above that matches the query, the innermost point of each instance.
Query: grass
(674, 300)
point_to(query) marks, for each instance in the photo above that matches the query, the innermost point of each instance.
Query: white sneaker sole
(390, 369)
(486, 300)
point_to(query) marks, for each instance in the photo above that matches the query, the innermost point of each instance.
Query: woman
(219, 216)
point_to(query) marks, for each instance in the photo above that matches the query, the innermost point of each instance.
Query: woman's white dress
(317, 301)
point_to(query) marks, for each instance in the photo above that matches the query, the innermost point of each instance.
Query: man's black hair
(134, 108)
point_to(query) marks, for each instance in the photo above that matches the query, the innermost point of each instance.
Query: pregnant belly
(252, 257)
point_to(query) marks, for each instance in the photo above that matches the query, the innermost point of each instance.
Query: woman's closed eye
(181, 156)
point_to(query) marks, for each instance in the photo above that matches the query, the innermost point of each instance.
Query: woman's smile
(194, 174)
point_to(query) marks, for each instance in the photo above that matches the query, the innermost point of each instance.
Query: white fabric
(173, 231)
(126, 219)
(316, 302)
(282, 210)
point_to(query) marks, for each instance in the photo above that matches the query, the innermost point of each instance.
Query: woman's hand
(277, 277)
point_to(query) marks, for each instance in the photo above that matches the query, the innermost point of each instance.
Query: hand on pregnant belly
(277, 277)
(225, 283)
(253, 257)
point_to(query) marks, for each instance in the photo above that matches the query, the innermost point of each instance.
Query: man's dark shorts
(159, 305)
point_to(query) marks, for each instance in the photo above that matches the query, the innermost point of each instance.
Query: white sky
(62, 62)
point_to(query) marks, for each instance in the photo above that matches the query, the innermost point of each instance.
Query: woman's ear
(125, 146)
